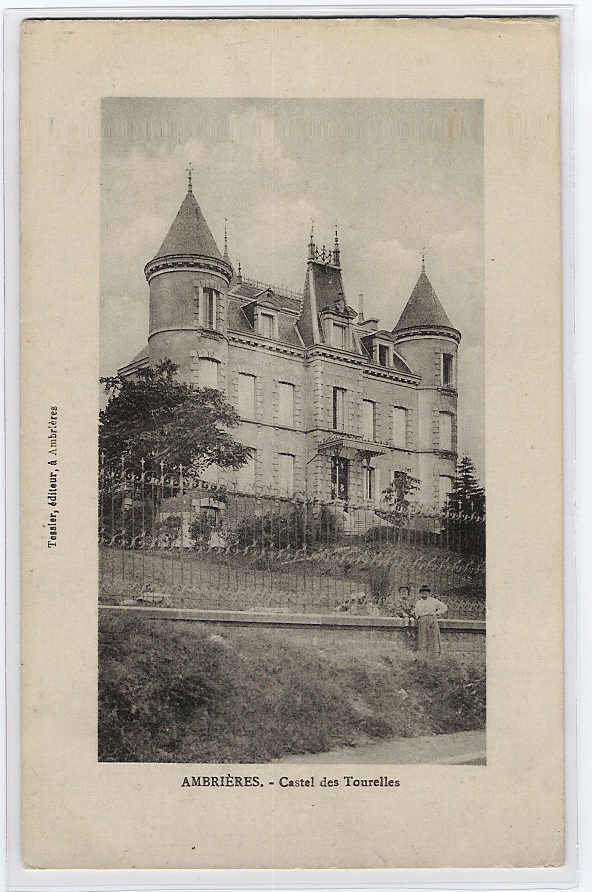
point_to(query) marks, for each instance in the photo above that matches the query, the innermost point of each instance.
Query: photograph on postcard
(291, 500)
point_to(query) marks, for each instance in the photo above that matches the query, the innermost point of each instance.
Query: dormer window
(267, 325)
(383, 355)
(339, 336)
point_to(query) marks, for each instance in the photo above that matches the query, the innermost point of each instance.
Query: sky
(396, 176)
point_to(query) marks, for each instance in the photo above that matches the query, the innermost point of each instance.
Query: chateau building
(334, 406)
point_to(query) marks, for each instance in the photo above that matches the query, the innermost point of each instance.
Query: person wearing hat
(427, 610)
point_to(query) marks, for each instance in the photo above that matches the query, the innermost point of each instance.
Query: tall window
(447, 370)
(339, 478)
(368, 419)
(246, 396)
(338, 409)
(208, 373)
(245, 478)
(266, 325)
(445, 488)
(209, 308)
(400, 427)
(369, 482)
(286, 404)
(338, 338)
(383, 354)
(445, 442)
(286, 475)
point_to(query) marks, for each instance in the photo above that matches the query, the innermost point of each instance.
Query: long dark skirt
(428, 635)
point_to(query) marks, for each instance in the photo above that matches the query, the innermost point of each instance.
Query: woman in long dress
(427, 610)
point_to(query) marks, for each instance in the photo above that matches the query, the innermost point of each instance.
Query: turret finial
(336, 252)
(225, 237)
(189, 171)
(423, 259)
(311, 244)
(239, 275)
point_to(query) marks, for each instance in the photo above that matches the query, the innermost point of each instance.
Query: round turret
(188, 279)
(428, 342)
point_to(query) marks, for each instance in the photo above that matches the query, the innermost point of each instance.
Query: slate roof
(286, 323)
(423, 308)
(401, 366)
(328, 286)
(137, 360)
(189, 233)
(246, 291)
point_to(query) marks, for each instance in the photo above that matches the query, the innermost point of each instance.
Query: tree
(403, 485)
(155, 417)
(467, 496)
(464, 513)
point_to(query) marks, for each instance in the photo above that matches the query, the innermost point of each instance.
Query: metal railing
(170, 537)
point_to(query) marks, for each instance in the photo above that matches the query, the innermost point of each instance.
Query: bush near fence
(205, 545)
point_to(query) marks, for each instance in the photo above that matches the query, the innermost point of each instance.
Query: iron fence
(170, 538)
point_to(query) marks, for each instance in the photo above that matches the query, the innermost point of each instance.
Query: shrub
(168, 530)
(292, 529)
(379, 535)
(380, 584)
(200, 528)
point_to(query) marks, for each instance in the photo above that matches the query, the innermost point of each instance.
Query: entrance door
(339, 478)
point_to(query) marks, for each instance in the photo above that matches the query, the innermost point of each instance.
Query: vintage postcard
(291, 443)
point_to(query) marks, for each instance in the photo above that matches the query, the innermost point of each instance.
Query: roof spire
(423, 259)
(336, 252)
(239, 275)
(226, 257)
(311, 244)
(189, 183)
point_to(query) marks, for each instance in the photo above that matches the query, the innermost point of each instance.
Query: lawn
(175, 692)
(240, 582)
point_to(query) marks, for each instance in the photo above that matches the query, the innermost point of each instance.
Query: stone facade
(333, 406)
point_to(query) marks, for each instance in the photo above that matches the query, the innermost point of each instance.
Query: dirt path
(462, 748)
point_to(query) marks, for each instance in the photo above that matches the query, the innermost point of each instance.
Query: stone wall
(459, 637)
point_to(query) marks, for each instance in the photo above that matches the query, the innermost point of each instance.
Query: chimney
(361, 306)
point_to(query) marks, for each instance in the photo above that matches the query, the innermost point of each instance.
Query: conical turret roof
(423, 309)
(189, 233)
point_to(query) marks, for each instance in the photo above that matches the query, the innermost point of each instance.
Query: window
(266, 325)
(338, 409)
(369, 482)
(286, 475)
(399, 427)
(209, 308)
(447, 370)
(245, 478)
(445, 440)
(339, 336)
(246, 396)
(445, 488)
(208, 373)
(286, 404)
(383, 354)
(339, 478)
(368, 419)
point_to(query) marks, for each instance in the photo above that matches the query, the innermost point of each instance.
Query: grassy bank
(176, 692)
